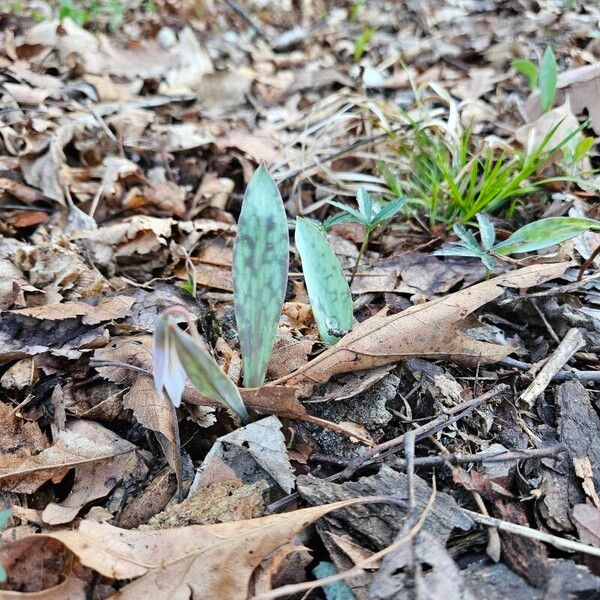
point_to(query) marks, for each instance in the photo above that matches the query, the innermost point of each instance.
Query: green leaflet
(327, 287)
(205, 374)
(547, 80)
(545, 233)
(260, 269)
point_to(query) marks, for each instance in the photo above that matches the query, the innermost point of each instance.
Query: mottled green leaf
(544, 233)
(327, 287)
(205, 374)
(547, 80)
(527, 68)
(260, 269)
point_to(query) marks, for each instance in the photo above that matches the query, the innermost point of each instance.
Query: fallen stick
(534, 534)
(573, 341)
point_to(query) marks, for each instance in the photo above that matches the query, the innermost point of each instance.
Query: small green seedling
(534, 236)
(179, 355)
(543, 76)
(370, 215)
(260, 270)
(362, 42)
(327, 287)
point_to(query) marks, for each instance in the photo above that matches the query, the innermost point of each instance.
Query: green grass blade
(205, 374)
(547, 80)
(527, 68)
(544, 233)
(260, 270)
(327, 287)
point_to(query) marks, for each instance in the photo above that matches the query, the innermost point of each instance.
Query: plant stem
(361, 253)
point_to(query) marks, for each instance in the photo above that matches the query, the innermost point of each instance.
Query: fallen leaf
(263, 442)
(184, 561)
(81, 444)
(218, 502)
(71, 588)
(107, 309)
(427, 330)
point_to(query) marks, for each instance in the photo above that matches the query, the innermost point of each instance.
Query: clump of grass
(452, 181)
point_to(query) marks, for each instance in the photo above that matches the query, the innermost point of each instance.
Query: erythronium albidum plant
(179, 355)
(260, 271)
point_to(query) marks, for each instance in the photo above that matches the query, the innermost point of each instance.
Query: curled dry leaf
(107, 309)
(427, 330)
(200, 561)
(81, 444)
(264, 442)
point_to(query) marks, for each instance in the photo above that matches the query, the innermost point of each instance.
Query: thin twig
(534, 534)
(242, 12)
(453, 415)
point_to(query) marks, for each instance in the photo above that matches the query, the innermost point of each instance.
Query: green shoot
(533, 236)
(547, 77)
(179, 355)
(362, 42)
(370, 215)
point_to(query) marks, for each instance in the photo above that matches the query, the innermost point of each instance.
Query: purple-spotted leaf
(327, 287)
(260, 269)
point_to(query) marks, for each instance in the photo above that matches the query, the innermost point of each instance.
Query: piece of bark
(439, 578)
(498, 582)
(375, 526)
(579, 431)
(527, 557)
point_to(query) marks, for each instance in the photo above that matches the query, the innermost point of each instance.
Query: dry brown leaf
(49, 171)
(70, 589)
(426, 330)
(258, 448)
(151, 409)
(92, 481)
(531, 134)
(200, 561)
(82, 443)
(108, 309)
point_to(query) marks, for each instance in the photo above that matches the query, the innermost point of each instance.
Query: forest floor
(460, 460)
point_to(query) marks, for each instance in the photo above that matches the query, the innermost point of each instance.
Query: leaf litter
(126, 144)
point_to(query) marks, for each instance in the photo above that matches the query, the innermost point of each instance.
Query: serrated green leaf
(327, 287)
(486, 231)
(467, 237)
(205, 374)
(527, 68)
(544, 233)
(260, 270)
(547, 80)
